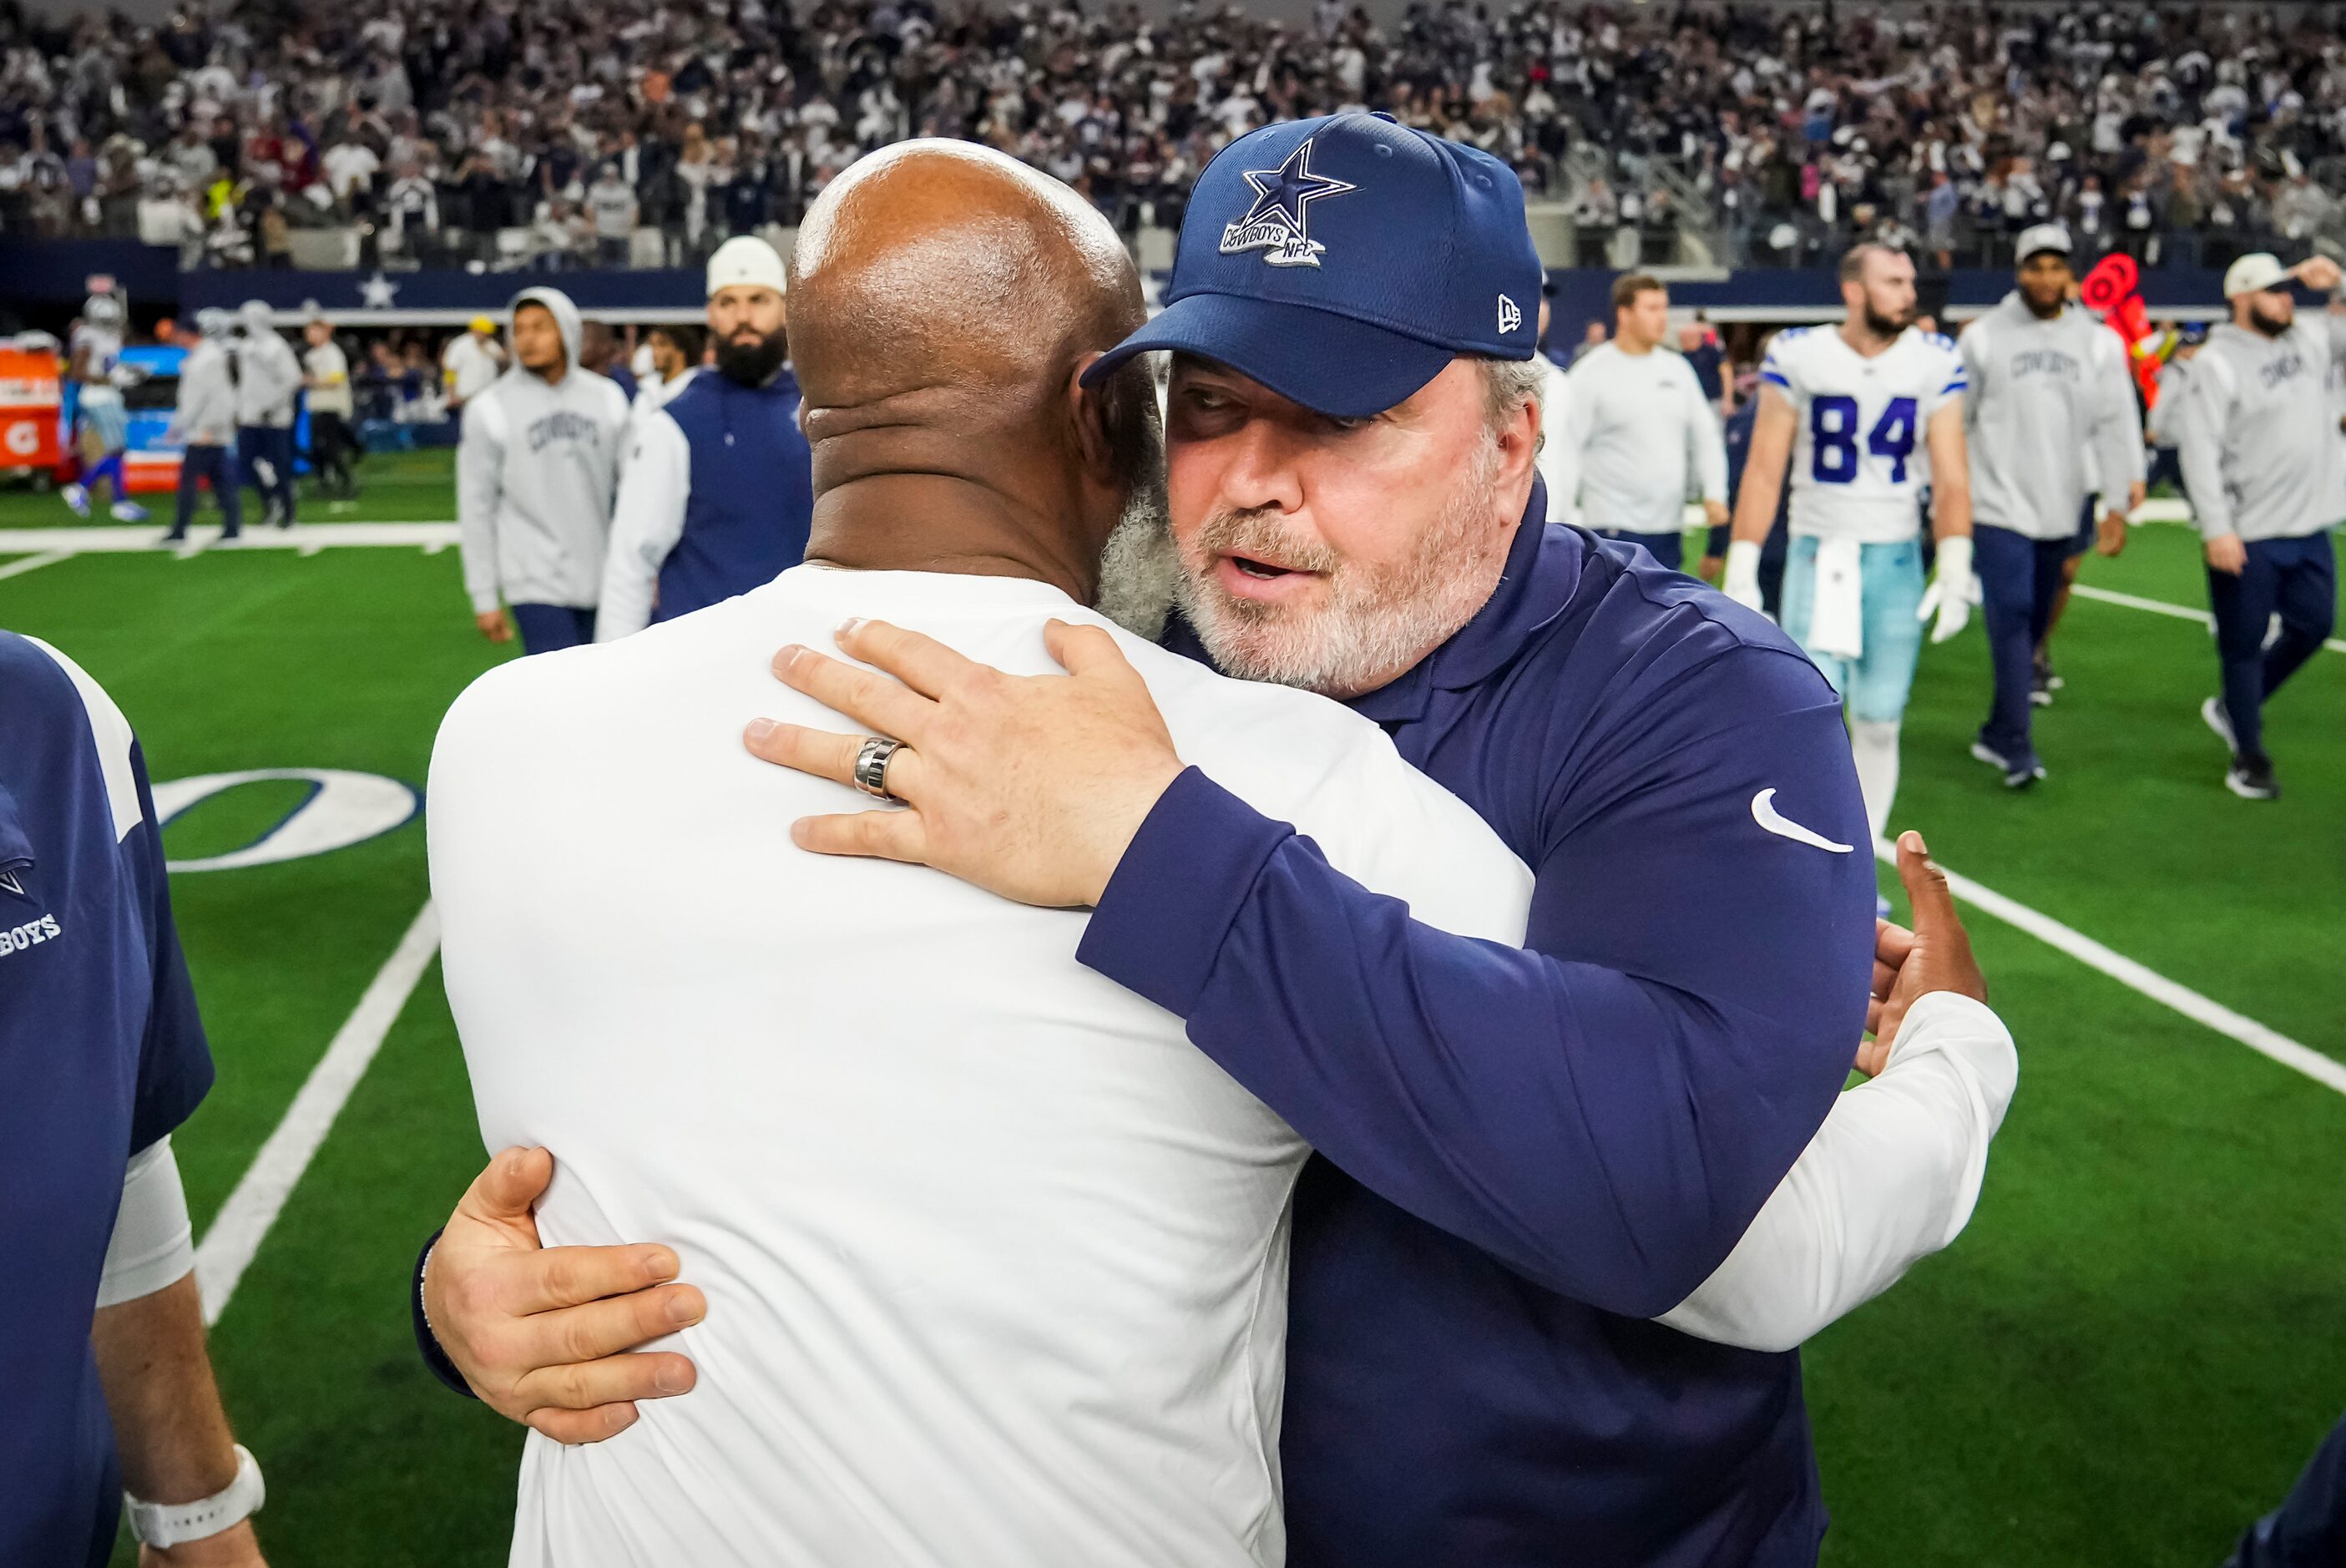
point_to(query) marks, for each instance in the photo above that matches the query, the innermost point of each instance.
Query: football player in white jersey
(101, 420)
(1867, 412)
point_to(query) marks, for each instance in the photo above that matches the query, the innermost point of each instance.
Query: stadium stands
(631, 132)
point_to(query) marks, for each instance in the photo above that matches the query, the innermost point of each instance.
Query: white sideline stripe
(306, 537)
(2257, 1037)
(2161, 607)
(18, 567)
(242, 1222)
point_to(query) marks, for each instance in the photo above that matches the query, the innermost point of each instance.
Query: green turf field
(394, 487)
(2126, 1356)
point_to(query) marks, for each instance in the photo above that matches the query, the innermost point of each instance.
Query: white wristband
(167, 1525)
(1956, 563)
(1741, 581)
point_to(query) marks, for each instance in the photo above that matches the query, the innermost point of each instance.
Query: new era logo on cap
(1343, 261)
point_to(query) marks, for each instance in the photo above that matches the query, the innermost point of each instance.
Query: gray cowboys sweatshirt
(2258, 443)
(2049, 418)
(536, 468)
(205, 412)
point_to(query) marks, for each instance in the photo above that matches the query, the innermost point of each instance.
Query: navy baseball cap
(1343, 261)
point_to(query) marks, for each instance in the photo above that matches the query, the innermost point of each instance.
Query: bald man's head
(943, 297)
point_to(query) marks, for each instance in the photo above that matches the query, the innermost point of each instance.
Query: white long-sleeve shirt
(652, 394)
(1635, 426)
(647, 519)
(1889, 1179)
(1556, 463)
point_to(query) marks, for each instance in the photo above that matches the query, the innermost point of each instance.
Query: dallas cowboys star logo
(1277, 223)
(378, 293)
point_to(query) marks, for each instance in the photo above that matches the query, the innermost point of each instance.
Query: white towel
(1837, 613)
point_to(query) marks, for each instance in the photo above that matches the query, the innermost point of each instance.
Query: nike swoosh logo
(1764, 812)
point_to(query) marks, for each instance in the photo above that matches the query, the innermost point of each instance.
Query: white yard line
(24, 563)
(238, 1230)
(2161, 607)
(306, 538)
(2257, 1037)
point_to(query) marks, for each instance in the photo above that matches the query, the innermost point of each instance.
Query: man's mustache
(1257, 534)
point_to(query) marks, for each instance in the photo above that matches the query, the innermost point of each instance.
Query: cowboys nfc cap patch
(1278, 223)
(1346, 259)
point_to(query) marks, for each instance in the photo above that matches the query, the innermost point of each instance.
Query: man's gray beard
(1139, 568)
(1374, 627)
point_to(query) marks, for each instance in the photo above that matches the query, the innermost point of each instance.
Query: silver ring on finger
(869, 773)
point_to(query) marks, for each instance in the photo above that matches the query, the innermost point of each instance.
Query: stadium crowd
(432, 127)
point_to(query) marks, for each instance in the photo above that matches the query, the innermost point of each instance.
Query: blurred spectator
(471, 362)
(2180, 132)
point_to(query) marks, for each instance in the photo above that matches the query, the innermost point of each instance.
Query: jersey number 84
(1833, 422)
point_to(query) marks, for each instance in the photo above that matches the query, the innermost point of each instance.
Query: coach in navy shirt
(101, 1056)
(1526, 1154)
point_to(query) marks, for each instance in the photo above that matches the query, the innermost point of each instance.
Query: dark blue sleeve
(427, 1343)
(1606, 1110)
(175, 1064)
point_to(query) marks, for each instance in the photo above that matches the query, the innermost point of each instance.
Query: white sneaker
(2212, 715)
(78, 498)
(2013, 778)
(130, 511)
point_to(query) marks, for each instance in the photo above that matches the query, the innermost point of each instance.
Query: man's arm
(2200, 447)
(1951, 473)
(169, 1426)
(1763, 470)
(480, 462)
(646, 520)
(1706, 449)
(2118, 442)
(2325, 276)
(1893, 1174)
(1948, 599)
(1605, 1114)
(1764, 463)
(536, 1333)
(1972, 346)
(147, 1332)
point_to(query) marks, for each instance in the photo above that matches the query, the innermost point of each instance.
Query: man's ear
(1519, 442)
(1096, 413)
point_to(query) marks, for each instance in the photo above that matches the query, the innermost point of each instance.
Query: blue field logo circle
(342, 808)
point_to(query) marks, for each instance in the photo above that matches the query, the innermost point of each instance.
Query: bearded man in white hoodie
(536, 470)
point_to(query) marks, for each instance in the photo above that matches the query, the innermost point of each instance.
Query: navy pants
(2019, 579)
(2309, 1530)
(547, 628)
(266, 453)
(1670, 549)
(217, 464)
(2297, 577)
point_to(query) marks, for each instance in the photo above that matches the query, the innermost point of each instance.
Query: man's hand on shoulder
(1031, 787)
(538, 1331)
(1908, 965)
